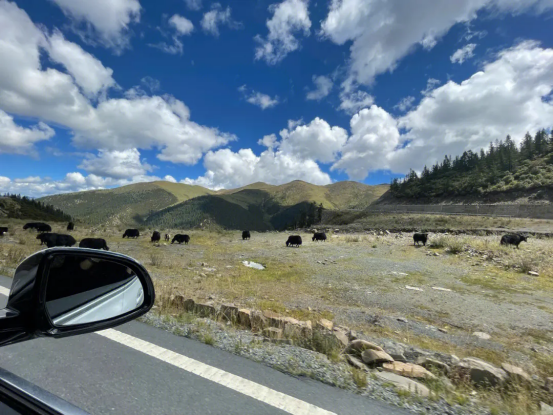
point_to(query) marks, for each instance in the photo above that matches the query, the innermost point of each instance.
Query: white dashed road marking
(4, 291)
(247, 387)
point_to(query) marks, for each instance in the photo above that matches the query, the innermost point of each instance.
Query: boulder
(533, 273)
(273, 319)
(325, 324)
(205, 309)
(409, 370)
(516, 374)
(244, 317)
(376, 357)
(258, 320)
(433, 364)
(342, 337)
(229, 312)
(481, 373)
(545, 409)
(549, 385)
(189, 305)
(177, 301)
(403, 383)
(296, 328)
(481, 335)
(357, 347)
(355, 362)
(273, 333)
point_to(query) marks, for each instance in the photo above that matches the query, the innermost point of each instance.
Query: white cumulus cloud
(15, 139)
(323, 86)
(257, 98)
(462, 54)
(116, 164)
(216, 17)
(291, 17)
(109, 20)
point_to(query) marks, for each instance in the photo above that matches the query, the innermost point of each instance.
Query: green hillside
(17, 207)
(254, 206)
(501, 169)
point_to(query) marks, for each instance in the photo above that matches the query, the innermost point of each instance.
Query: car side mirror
(63, 292)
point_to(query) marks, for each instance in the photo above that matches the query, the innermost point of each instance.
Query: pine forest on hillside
(22, 207)
(504, 166)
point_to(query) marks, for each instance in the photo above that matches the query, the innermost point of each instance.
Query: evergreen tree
(527, 147)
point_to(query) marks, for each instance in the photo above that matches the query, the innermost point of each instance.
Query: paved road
(138, 369)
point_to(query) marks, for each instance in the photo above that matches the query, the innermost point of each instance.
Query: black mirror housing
(27, 314)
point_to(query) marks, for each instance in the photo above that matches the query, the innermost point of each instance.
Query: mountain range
(257, 206)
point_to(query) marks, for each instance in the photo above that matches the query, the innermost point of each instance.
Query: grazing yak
(38, 226)
(94, 243)
(70, 226)
(246, 235)
(294, 240)
(3, 230)
(131, 233)
(180, 239)
(512, 239)
(156, 237)
(420, 237)
(54, 239)
(42, 237)
(319, 236)
(167, 237)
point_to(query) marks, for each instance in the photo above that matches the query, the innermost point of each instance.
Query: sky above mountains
(110, 92)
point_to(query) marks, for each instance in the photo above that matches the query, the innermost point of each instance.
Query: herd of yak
(51, 240)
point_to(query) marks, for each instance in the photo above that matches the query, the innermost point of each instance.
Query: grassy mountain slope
(168, 204)
(503, 173)
(23, 208)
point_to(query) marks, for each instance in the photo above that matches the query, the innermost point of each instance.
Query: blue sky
(105, 93)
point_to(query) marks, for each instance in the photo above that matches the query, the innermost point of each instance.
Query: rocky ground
(466, 295)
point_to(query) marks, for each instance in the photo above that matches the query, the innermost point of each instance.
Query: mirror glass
(83, 289)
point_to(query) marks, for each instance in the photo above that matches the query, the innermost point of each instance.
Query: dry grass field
(433, 297)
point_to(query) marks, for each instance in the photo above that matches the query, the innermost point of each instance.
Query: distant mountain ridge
(258, 206)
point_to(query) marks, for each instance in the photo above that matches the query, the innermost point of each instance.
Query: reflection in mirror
(83, 289)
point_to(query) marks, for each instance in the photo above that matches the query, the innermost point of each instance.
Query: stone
(273, 319)
(189, 305)
(325, 324)
(258, 320)
(433, 364)
(549, 385)
(205, 309)
(398, 357)
(481, 373)
(402, 320)
(357, 347)
(516, 374)
(229, 312)
(409, 370)
(273, 333)
(441, 289)
(375, 357)
(413, 288)
(355, 362)
(403, 383)
(177, 301)
(481, 335)
(244, 317)
(545, 409)
(342, 337)
(352, 335)
(533, 273)
(442, 330)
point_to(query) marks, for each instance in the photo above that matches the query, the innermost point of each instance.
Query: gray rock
(258, 320)
(403, 383)
(549, 385)
(545, 409)
(375, 357)
(342, 337)
(481, 335)
(355, 362)
(325, 324)
(205, 309)
(516, 374)
(244, 317)
(357, 347)
(481, 373)
(229, 312)
(272, 333)
(433, 364)
(409, 370)
(398, 357)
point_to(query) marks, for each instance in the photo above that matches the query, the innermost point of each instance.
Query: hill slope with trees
(501, 169)
(21, 207)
